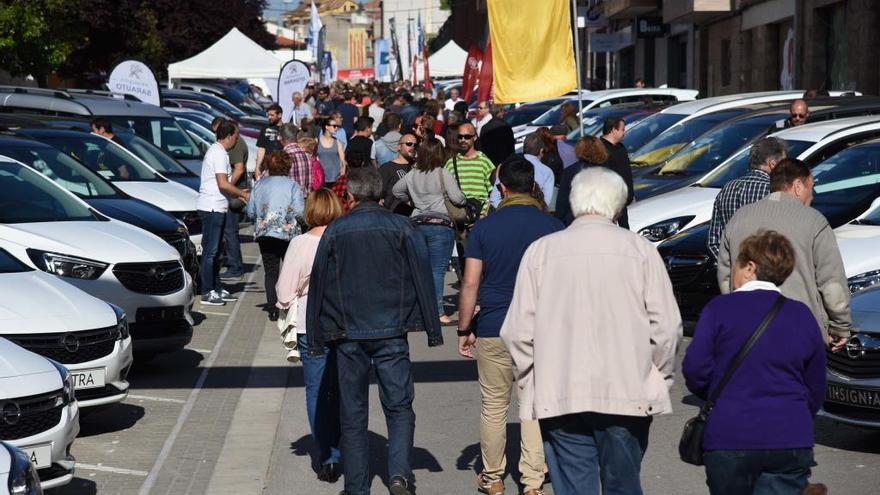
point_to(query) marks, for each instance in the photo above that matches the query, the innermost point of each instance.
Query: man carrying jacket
(367, 322)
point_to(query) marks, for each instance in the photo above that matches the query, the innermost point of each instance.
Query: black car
(846, 185)
(205, 100)
(102, 195)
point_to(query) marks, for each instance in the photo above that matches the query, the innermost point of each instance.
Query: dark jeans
(233, 246)
(591, 453)
(759, 472)
(272, 250)
(212, 234)
(439, 240)
(390, 358)
(322, 400)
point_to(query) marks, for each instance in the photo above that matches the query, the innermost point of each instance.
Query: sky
(274, 8)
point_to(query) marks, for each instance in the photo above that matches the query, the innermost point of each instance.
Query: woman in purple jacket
(759, 436)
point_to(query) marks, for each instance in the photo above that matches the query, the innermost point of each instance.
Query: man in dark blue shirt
(349, 113)
(495, 248)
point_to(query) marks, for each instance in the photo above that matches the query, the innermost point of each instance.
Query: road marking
(153, 475)
(214, 313)
(156, 399)
(108, 469)
(200, 351)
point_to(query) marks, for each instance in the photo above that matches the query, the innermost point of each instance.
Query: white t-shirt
(450, 103)
(216, 162)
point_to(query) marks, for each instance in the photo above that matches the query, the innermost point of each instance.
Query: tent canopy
(448, 61)
(233, 56)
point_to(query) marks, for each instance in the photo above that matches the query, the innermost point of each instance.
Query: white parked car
(39, 412)
(662, 216)
(54, 319)
(51, 229)
(17, 473)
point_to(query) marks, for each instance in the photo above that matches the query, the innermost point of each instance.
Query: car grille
(684, 269)
(151, 278)
(97, 393)
(72, 347)
(36, 414)
(191, 219)
(864, 366)
(178, 241)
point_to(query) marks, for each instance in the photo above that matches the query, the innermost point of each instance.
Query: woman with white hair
(593, 329)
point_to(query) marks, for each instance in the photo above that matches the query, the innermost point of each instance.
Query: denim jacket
(371, 280)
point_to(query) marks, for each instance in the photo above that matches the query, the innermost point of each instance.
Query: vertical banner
(322, 37)
(382, 56)
(293, 78)
(786, 75)
(484, 92)
(327, 67)
(357, 47)
(471, 72)
(133, 77)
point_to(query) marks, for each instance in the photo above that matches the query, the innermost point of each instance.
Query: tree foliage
(36, 36)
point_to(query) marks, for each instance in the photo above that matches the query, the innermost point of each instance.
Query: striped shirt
(300, 167)
(737, 193)
(473, 176)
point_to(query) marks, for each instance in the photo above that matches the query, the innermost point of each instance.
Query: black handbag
(690, 447)
(473, 207)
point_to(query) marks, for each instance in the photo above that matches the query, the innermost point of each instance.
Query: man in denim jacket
(370, 285)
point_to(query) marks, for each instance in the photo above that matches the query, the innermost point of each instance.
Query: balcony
(693, 10)
(627, 9)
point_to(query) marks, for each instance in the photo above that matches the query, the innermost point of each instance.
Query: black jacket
(496, 140)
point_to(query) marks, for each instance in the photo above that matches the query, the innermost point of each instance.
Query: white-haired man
(301, 110)
(605, 293)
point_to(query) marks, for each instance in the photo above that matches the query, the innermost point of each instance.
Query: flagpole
(577, 55)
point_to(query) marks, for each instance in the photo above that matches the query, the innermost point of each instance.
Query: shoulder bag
(288, 324)
(457, 214)
(690, 447)
(473, 207)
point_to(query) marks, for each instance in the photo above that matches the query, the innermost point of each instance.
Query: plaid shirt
(300, 167)
(737, 193)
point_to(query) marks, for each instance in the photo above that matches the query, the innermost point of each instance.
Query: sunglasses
(465, 137)
(409, 144)
(798, 115)
(335, 126)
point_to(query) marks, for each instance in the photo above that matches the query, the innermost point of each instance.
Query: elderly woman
(759, 435)
(274, 204)
(591, 152)
(593, 329)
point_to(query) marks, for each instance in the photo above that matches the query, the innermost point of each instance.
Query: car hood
(136, 212)
(23, 311)
(108, 241)
(695, 201)
(190, 181)
(650, 185)
(16, 363)
(690, 242)
(169, 196)
(858, 248)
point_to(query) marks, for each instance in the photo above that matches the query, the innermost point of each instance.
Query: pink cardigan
(296, 267)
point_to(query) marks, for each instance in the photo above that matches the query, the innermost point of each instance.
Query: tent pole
(577, 55)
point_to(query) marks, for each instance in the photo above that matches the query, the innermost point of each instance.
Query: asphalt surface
(227, 415)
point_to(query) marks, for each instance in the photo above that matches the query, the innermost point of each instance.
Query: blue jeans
(759, 472)
(322, 400)
(390, 357)
(440, 240)
(212, 233)
(591, 453)
(233, 246)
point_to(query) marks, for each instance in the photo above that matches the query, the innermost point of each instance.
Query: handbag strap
(455, 167)
(743, 352)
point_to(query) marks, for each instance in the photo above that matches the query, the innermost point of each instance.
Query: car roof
(612, 93)
(75, 102)
(818, 131)
(708, 104)
(17, 140)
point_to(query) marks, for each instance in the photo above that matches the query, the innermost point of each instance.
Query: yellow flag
(532, 54)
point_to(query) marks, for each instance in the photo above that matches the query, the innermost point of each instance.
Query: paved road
(227, 416)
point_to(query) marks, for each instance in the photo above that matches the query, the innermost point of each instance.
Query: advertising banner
(383, 55)
(355, 74)
(293, 78)
(133, 77)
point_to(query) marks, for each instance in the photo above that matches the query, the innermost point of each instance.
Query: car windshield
(668, 142)
(105, 157)
(738, 165)
(154, 156)
(712, 148)
(29, 197)
(203, 133)
(64, 170)
(551, 117)
(11, 264)
(162, 132)
(849, 176)
(647, 129)
(593, 124)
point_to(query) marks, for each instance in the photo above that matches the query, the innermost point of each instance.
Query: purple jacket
(770, 401)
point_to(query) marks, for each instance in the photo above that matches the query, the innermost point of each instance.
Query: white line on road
(108, 469)
(200, 351)
(213, 313)
(147, 487)
(156, 399)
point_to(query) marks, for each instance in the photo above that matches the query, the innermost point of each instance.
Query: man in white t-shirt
(453, 99)
(212, 205)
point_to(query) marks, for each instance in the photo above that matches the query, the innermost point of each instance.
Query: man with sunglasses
(471, 168)
(395, 169)
(800, 112)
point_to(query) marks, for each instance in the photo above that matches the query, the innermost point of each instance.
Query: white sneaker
(227, 296)
(212, 299)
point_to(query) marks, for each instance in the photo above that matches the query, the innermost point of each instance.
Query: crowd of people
(556, 295)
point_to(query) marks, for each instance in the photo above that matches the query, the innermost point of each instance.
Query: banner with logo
(471, 72)
(383, 56)
(356, 74)
(133, 77)
(293, 78)
(484, 91)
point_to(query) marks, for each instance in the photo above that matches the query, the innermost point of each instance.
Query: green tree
(36, 36)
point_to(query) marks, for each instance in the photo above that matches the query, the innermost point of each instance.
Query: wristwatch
(463, 333)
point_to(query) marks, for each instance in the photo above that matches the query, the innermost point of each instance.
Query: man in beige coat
(593, 329)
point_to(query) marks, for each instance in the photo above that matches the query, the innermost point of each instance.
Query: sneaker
(230, 275)
(489, 487)
(226, 296)
(399, 486)
(213, 298)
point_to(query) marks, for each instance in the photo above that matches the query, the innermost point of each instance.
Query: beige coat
(593, 325)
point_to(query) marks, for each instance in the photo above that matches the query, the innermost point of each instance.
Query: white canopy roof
(448, 61)
(233, 56)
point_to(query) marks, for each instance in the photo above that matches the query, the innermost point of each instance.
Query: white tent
(234, 56)
(448, 61)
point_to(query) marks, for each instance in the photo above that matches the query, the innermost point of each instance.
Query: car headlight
(122, 332)
(67, 393)
(23, 478)
(661, 230)
(182, 227)
(862, 281)
(65, 265)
